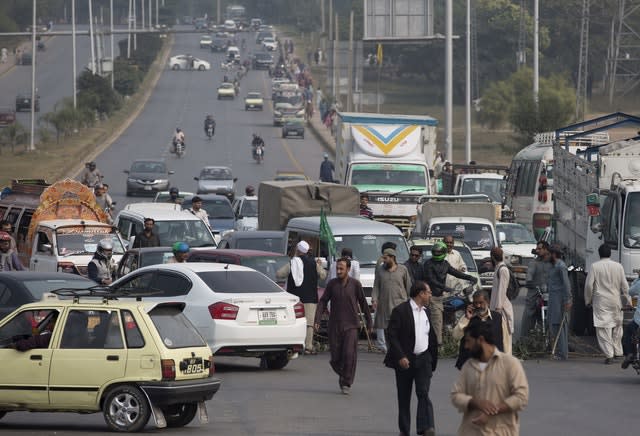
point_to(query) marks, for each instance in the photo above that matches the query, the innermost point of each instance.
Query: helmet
(249, 190)
(180, 247)
(105, 244)
(173, 191)
(178, 130)
(439, 251)
(4, 236)
(91, 164)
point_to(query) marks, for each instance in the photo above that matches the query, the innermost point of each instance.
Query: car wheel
(129, 194)
(274, 361)
(179, 415)
(2, 413)
(126, 409)
(201, 68)
(176, 67)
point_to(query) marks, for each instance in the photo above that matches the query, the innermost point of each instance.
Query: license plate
(251, 105)
(192, 366)
(147, 188)
(267, 317)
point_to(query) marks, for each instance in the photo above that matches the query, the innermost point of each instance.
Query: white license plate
(267, 317)
(251, 105)
(147, 188)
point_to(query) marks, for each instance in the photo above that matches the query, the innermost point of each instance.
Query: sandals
(310, 352)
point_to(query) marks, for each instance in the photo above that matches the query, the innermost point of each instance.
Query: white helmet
(105, 244)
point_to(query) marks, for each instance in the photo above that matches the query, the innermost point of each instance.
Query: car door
(44, 256)
(86, 359)
(25, 374)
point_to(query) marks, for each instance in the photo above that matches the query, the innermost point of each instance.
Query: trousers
(344, 353)
(419, 372)
(437, 314)
(309, 314)
(381, 344)
(630, 331)
(610, 340)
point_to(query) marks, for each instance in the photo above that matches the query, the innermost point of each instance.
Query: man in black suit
(413, 353)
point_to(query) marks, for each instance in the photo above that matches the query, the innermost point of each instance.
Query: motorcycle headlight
(515, 260)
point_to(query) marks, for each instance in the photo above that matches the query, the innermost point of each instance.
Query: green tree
(14, 134)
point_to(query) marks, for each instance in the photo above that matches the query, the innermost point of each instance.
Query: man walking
(347, 302)
(537, 274)
(413, 264)
(632, 329)
(147, 237)
(499, 300)
(492, 387)
(354, 270)
(605, 288)
(197, 210)
(560, 302)
(455, 260)
(326, 169)
(413, 354)
(390, 287)
(303, 282)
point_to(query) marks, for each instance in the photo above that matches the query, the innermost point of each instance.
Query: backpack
(513, 288)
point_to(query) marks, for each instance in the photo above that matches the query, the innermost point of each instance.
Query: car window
(27, 323)
(249, 208)
(139, 282)
(238, 282)
(132, 333)
(267, 265)
(76, 330)
(95, 329)
(218, 209)
(174, 328)
(155, 258)
(197, 257)
(193, 232)
(262, 244)
(167, 284)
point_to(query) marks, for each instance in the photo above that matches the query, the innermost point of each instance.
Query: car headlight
(277, 114)
(131, 180)
(300, 113)
(515, 260)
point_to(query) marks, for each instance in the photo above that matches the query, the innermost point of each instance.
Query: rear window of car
(238, 282)
(174, 328)
(262, 244)
(38, 287)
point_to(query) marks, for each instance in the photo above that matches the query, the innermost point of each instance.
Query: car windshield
(174, 328)
(193, 232)
(148, 167)
(262, 244)
(388, 177)
(218, 209)
(632, 221)
(249, 208)
(155, 258)
(294, 99)
(367, 249)
(515, 234)
(226, 86)
(263, 56)
(38, 287)
(267, 265)
(84, 240)
(254, 95)
(476, 236)
(239, 282)
(466, 254)
(494, 188)
(293, 123)
(215, 174)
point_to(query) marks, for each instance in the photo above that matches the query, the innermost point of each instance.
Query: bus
(235, 12)
(530, 183)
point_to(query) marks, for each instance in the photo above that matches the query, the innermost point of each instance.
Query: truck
(387, 157)
(596, 201)
(65, 229)
(482, 179)
(288, 102)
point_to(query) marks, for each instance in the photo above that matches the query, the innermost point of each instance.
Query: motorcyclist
(209, 122)
(178, 137)
(91, 175)
(249, 191)
(104, 200)
(236, 85)
(100, 269)
(180, 252)
(256, 142)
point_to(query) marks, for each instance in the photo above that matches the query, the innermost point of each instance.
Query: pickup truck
(7, 116)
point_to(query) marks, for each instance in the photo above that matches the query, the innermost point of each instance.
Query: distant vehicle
(216, 180)
(147, 176)
(230, 26)
(264, 240)
(135, 258)
(253, 100)
(218, 207)
(293, 126)
(23, 102)
(226, 90)
(200, 23)
(261, 61)
(264, 34)
(269, 44)
(256, 23)
(205, 41)
(235, 12)
(7, 116)
(282, 176)
(245, 209)
(518, 244)
(218, 45)
(163, 196)
(181, 62)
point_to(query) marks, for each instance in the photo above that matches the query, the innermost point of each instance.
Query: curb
(157, 69)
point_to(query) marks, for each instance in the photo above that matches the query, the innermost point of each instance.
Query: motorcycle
(210, 131)
(455, 305)
(258, 154)
(179, 148)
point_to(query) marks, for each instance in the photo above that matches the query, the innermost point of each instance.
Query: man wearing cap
(560, 301)
(303, 282)
(174, 196)
(197, 210)
(390, 287)
(9, 260)
(326, 170)
(147, 237)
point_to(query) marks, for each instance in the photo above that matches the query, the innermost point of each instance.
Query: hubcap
(124, 410)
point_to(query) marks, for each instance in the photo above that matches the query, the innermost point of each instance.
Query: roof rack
(100, 292)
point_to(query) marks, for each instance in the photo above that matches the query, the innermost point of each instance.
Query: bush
(127, 77)
(95, 93)
(65, 119)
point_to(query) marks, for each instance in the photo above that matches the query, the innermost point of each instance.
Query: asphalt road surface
(581, 397)
(182, 99)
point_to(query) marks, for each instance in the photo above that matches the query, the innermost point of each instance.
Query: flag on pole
(379, 55)
(326, 234)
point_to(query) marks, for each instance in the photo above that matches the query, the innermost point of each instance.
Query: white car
(239, 311)
(517, 242)
(246, 209)
(205, 41)
(181, 62)
(270, 44)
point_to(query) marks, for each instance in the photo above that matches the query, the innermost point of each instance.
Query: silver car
(216, 180)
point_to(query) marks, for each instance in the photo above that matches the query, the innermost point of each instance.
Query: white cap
(302, 247)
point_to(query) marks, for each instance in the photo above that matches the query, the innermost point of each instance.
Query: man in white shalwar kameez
(606, 289)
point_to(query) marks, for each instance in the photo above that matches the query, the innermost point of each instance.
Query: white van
(172, 225)
(363, 236)
(230, 26)
(233, 52)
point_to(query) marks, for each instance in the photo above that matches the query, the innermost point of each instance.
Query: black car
(23, 102)
(22, 287)
(293, 126)
(219, 45)
(147, 176)
(262, 61)
(264, 240)
(135, 258)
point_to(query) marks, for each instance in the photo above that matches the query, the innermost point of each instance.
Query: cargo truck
(388, 157)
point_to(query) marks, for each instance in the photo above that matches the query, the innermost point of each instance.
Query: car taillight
(298, 309)
(168, 369)
(67, 267)
(223, 311)
(212, 366)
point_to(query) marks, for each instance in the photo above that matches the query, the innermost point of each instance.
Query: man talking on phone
(479, 308)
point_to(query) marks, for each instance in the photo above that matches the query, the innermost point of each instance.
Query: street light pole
(448, 80)
(93, 49)
(536, 63)
(32, 145)
(113, 57)
(73, 50)
(467, 112)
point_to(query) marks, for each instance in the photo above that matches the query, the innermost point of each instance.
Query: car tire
(274, 361)
(176, 67)
(2, 414)
(129, 194)
(179, 415)
(126, 409)
(201, 68)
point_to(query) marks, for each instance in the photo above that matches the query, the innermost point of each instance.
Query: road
(182, 99)
(566, 398)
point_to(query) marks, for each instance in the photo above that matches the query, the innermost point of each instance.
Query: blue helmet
(180, 247)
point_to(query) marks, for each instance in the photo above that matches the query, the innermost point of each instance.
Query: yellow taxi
(85, 351)
(253, 100)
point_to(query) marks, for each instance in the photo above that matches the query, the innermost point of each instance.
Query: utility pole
(330, 20)
(583, 64)
(336, 69)
(467, 111)
(350, 66)
(322, 13)
(113, 56)
(150, 16)
(73, 52)
(536, 57)
(142, 8)
(32, 136)
(448, 79)
(91, 36)
(129, 15)
(218, 12)
(158, 15)
(135, 27)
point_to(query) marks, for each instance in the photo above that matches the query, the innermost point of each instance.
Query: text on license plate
(192, 366)
(267, 317)
(147, 188)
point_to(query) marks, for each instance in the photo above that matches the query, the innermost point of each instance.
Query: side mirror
(113, 203)
(126, 171)
(196, 178)
(502, 236)
(48, 248)
(171, 172)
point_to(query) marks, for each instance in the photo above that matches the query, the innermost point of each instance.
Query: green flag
(325, 233)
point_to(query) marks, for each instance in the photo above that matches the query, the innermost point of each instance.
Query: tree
(13, 135)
